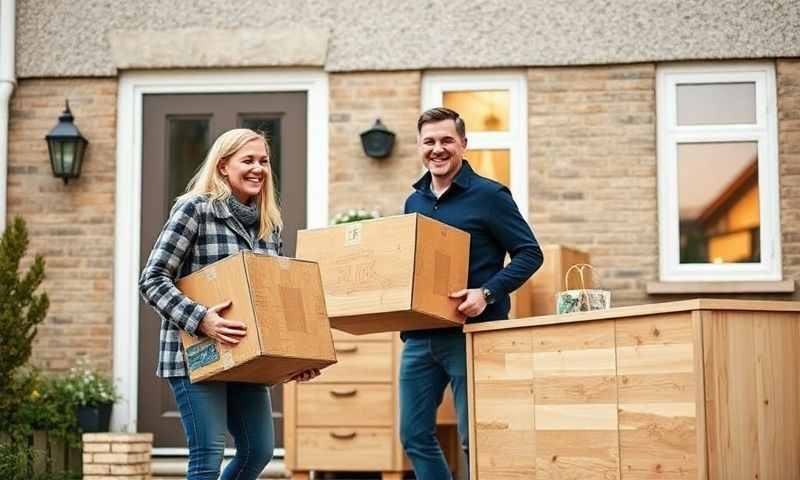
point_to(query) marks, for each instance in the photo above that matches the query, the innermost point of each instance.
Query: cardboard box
(281, 302)
(537, 296)
(390, 274)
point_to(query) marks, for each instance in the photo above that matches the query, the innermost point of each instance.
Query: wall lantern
(66, 146)
(377, 141)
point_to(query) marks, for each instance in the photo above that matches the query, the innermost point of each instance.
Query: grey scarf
(246, 214)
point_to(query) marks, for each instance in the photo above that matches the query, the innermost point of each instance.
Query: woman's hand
(306, 375)
(216, 327)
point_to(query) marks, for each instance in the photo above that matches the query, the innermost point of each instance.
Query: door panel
(177, 133)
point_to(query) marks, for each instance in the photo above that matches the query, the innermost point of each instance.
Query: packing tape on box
(210, 273)
(283, 262)
(227, 360)
(352, 234)
(441, 271)
(293, 311)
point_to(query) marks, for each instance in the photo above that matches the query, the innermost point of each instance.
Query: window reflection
(271, 128)
(482, 110)
(188, 144)
(494, 164)
(717, 103)
(718, 202)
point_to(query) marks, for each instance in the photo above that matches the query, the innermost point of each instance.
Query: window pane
(271, 127)
(188, 144)
(494, 164)
(482, 111)
(718, 202)
(717, 103)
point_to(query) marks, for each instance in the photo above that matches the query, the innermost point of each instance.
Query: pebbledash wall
(591, 117)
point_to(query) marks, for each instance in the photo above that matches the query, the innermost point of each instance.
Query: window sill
(660, 288)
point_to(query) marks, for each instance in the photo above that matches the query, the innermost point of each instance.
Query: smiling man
(453, 193)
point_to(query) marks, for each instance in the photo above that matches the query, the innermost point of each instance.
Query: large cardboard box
(282, 303)
(537, 296)
(390, 274)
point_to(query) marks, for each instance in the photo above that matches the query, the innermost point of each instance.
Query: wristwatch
(488, 296)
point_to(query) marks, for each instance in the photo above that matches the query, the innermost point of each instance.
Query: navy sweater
(485, 209)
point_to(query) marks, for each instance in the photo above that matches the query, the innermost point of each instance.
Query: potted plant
(354, 215)
(92, 395)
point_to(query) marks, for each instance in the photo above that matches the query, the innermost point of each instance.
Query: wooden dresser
(347, 419)
(698, 389)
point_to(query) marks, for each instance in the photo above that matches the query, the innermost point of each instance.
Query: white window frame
(515, 140)
(764, 132)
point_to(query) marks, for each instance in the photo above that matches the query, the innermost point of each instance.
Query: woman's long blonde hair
(209, 181)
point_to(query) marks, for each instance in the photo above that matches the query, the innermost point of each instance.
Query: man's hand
(216, 327)
(306, 375)
(474, 304)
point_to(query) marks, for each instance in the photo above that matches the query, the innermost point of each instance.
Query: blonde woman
(229, 205)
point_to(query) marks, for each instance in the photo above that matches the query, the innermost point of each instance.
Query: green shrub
(15, 460)
(50, 407)
(21, 310)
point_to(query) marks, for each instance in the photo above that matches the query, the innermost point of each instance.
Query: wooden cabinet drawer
(349, 449)
(345, 404)
(359, 362)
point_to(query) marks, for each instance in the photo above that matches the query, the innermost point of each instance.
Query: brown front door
(177, 132)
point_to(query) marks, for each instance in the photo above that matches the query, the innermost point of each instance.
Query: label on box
(201, 354)
(352, 234)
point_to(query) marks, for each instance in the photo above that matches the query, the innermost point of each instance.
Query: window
(494, 109)
(718, 173)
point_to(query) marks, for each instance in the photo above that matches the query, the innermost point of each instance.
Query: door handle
(344, 393)
(343, 436)
(350, 349)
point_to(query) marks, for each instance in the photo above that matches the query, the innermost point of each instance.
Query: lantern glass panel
(67, 156)
(80, 147)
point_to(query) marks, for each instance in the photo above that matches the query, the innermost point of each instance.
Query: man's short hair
(442, 113)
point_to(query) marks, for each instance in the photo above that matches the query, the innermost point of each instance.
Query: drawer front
(351, 449)
(340, 336)
(344, 404)
(359, 362)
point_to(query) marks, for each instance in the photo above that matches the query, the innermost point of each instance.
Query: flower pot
(94, 418)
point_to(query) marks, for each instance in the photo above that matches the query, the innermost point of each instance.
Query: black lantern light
(377, 141)
(66, 146)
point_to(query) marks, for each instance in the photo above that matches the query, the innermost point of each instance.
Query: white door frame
(132, 87)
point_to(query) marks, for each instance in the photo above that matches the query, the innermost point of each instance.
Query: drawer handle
(344, 393)
(350, 349)
(343, 436)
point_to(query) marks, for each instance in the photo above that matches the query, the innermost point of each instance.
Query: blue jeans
(207, 409)
(427, 366)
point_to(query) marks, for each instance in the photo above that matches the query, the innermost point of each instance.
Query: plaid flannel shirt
(199, 231)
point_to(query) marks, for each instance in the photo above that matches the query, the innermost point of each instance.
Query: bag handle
(579, 267)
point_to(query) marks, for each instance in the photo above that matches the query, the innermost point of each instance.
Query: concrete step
(174, 468)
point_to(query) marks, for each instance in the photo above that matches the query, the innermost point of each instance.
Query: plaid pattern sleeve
(199, 232)
(172, 249)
